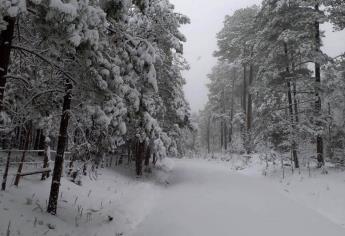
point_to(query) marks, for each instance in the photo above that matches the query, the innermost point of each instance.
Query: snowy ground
(206, 198)
(198, 197)
(83, 210)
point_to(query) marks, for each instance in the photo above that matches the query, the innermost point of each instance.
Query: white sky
(207, 20)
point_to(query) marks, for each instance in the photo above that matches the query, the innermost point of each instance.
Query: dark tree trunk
(244, 107)
(232, 106)
(4, 179)
(221, 135)
(20, 167)
(291, 113)
(21, 142)
(293, 143)
(250, 110)
(37, 139)
(225, 136)
(6, 37)
(154, 159)
(224, 126)
(208, 134)
(319, 140)
(147, 156)
(129, 152)
(139, 157)
(294, 87)
(250, 105)
(295, 102)
(244, 95)
(59, 159)
(46, 162)
(42, 143)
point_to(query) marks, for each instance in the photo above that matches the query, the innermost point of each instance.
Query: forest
(97, 136)
(97, 64)
(273, 87)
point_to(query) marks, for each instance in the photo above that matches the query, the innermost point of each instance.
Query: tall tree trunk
(208, 134)
(244, 107)
(294, 87)
(232, 106)
(42, 143)
(224, 128)
(21, 164)
(6, 37)
(319, 140)
(330, 145)
(37, 139)
(59, 159)
(46, 161)
(250, 102)
(129, 151)
(147, 155)
(295, 101)
(225, 136)
(221, 134)
(4, 179)
(244, 95)
(139, 156)
(291, 114)
(250, 110)
(293, 127)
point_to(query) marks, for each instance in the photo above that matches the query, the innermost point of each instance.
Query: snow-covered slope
(83, 210)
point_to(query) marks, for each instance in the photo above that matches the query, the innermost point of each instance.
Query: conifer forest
(172, 117)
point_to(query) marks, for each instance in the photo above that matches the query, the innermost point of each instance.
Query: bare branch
(17, 77)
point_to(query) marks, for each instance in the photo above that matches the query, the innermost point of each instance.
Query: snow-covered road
(207, 199)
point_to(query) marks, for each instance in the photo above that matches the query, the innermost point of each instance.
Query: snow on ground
(206, 198)
(219, 196)
(83, 210)
(322, 193)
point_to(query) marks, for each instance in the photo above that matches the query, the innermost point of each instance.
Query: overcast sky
(207, 19)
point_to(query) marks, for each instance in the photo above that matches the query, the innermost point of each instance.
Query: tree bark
(4, 179)
(37, 139)
(147, 156)
(250, 102)
(225, 136)
(291, 113)
(244, 95)
(224, 126)
(139, 157)
(42, 143)
(249, 114)
(221, 134)
(59, 159)
(232, 106)
(208, 134)
(295, 102)
(20, 167)
(46, 161)
(6, 37)
(319, 140)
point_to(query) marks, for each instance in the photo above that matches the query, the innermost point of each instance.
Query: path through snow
(207, 199)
